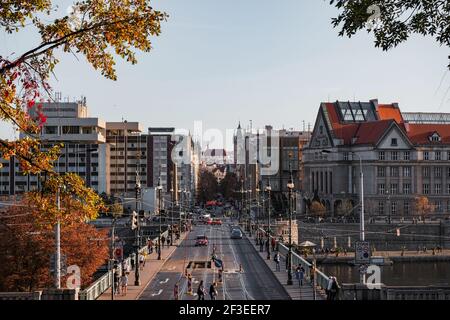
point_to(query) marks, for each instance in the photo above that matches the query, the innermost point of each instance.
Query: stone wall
(382, 236)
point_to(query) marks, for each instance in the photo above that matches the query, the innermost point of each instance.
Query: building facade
(402, 156)
(84, 150)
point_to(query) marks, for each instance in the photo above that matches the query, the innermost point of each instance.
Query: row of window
(406, 155)
(406, 172)
(406, 189)
(394, 207)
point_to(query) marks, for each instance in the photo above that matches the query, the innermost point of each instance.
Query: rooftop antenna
(304, 126)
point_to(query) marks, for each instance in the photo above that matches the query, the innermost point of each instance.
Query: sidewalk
(295, 291)
(152, 267)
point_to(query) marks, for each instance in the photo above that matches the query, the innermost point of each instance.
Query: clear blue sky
(269, 61)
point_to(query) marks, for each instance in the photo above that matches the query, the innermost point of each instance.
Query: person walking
(141, 261)
(124, 283)
(163, 241)
(213, 291)
(116, 282)
(201, 291)
(276, 258)
(300, 275)
(329, 286)
(334, 289)
(176, 290)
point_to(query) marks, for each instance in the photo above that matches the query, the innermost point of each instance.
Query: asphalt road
(255, 282)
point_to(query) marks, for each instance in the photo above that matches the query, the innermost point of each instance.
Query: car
(216, 222)
(236, 234)
(202, 241)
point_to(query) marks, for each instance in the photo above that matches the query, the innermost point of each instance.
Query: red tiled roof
(420, 133)
(371, 132)
(389, 111)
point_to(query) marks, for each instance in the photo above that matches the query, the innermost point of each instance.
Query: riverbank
(392, 256)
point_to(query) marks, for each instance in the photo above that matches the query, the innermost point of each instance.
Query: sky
(271, 62)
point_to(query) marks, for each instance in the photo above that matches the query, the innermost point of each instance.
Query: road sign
(362, 252)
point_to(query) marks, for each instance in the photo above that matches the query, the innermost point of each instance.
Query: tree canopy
(394, 21)
(99, 30)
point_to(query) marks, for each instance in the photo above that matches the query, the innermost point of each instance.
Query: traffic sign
(362, 252)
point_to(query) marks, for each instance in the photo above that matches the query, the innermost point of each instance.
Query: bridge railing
(103, 283)
(321, 278)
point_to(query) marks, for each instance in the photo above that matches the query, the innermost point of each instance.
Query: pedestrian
(273, 244)
(300, 275)
(201, 291)
(328, 289)
(334, 291)
(124, 283)
(163, 240)
(176, 291)
(141, 261)
(116, 282)
(150, 246)
(213, 291)
(168, 242)
(276, 258)
(220, 275)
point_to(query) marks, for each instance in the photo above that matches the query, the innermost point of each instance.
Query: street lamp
(137, 280)
(171, 214)
(290, 186)
(268, 189)
(159, 188)
(257, 208)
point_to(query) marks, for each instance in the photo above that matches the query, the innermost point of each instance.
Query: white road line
(157, 294)
(165, 281)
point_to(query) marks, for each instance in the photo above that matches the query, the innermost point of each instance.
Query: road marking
(172, 268)
(157, 294)
(165, 281)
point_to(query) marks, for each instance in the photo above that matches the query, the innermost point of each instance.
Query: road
(255, 282)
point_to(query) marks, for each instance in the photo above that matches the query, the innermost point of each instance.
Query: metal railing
(103, 283)
(321, 278)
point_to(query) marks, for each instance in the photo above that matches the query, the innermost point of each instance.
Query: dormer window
(435, 137)
(394, 142)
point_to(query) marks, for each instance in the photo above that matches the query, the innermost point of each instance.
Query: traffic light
(134, 220)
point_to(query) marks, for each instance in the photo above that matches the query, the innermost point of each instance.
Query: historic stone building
(403, 156)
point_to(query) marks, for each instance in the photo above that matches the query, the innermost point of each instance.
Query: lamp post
(249, 209)
(290, 186)
(137, 280)
(171, 214)
(159, 188)
(268, 189)
(257, 209)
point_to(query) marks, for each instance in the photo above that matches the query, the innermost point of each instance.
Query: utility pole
(159, 188)
(268, 189)
(290, 187)
(137, 280)
(112, 257)
(171, 213)
(58, 242)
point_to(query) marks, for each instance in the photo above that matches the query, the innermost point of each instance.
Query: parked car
(236, 234)
(202, 241)
(216, 222)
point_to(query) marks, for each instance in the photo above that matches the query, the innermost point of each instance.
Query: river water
(399, 274)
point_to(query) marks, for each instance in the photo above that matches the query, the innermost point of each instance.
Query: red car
(209, 221)
(217, 222)
(201, 241)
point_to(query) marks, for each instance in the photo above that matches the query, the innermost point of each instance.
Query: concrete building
(403, 155)
(84, 152)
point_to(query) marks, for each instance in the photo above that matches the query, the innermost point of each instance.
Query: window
(438, 156)
(394, 171)
(394, 188)
(394, 156)
(438, 172)
(394, 142)
(438, 206)
(381, 207)
(381, 156)
(426, 155)
(426, 172)
(448, 172)
(406, 156)
(407, 172)
(406, 208)
(406, 188)
(51, 130)
(426, 188)
(448, 155)
(435, 138)
(381, 172)
(393, 208)
(346, 156)
(448, 188)
(381, 188)
(437, 188)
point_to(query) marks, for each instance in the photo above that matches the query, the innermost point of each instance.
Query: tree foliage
(208, 186)
(317, 209)
(397, 20)
(345, 208)
(26, 245)
(99, 30)
(423, 207)
(229, 185)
